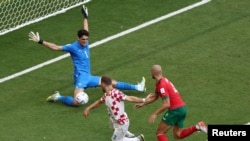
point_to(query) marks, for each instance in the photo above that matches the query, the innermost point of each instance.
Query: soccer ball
(82, 98)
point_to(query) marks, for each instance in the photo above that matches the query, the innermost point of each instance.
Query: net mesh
(15, 14)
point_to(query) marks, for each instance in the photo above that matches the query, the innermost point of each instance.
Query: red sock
(162, 137)
(187, 131)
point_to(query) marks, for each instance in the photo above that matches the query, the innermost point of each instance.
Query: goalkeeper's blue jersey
(80, 56)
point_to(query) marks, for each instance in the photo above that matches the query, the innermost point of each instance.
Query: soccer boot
(141, 137)
(202, 126)
(54, 97)
(141, 86)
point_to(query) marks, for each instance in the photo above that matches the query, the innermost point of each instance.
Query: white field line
(108, 39)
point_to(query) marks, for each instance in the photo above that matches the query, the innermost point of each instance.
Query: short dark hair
(106, 80)
(82, 32)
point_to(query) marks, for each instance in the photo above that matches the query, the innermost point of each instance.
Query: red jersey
(164, 88)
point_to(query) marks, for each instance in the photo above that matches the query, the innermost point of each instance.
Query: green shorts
(175, 117)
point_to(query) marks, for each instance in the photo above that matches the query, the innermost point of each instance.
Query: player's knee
(82, 98)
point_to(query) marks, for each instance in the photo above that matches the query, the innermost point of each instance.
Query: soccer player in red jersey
(174, 107)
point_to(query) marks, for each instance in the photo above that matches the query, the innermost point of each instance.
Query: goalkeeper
(80, 55)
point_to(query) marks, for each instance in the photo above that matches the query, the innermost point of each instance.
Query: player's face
(83, 40)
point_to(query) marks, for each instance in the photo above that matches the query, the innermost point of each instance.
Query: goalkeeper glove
(35, 37)
(84, 12)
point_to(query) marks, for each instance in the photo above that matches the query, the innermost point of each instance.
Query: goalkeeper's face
(83, 40)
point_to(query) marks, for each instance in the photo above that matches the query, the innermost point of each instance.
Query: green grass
(204, 52)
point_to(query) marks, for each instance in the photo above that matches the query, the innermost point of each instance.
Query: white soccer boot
(141, 86)
(141, 137)
(202, 126)
(54, 97)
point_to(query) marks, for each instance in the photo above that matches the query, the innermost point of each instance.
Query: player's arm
(90, 107)
(135, 99)
(84, 11)
(36, 38)
(52, 45)
(164, 106)
(85, 24)
(150, 99)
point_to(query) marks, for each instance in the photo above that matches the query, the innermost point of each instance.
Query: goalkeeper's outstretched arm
(84, 11)
(85, 24)
(36, 38)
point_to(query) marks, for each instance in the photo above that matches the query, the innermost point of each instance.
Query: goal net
(15, 14)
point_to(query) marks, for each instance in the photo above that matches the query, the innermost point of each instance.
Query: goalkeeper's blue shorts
(86, 81)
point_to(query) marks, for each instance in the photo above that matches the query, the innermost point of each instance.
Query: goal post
(15, 14)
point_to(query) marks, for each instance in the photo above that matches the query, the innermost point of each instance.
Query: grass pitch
(204, 52)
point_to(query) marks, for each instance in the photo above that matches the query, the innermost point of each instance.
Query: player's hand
(150, 96)
(34, 36)
(84, 12)
(152, 118)
(86, 113)
(139, 105)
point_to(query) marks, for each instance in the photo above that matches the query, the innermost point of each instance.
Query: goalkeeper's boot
(141, 137)
(201, 126)
(54, 97)
(141, 86)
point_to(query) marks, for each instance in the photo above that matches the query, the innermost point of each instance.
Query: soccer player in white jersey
(114, 100)
(80, 54)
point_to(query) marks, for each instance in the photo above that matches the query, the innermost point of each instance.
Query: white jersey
(115, 105)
